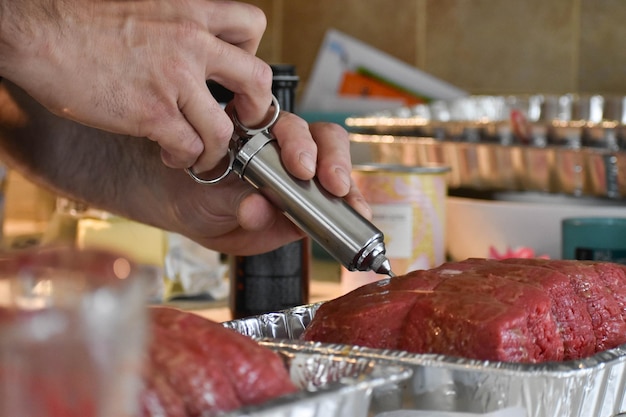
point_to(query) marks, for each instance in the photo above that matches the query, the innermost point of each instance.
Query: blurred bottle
(278, 279)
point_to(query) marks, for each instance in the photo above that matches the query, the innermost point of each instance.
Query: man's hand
(234, 218)
(139, 67)
(125, 176)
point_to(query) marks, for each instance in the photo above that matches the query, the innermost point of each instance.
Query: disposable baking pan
(332, 383)
(593, 387)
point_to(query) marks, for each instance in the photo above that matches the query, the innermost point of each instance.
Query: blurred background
(480, 46)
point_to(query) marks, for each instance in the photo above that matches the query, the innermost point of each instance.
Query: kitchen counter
(319, 291)
(325, 285)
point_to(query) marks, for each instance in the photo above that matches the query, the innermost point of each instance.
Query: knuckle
(262, 75)
(337, 132)
(301, 124)
(160, 115)
(223, 129)
(186, 29)
(258, 21)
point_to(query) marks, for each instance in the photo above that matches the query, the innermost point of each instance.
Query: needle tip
(385, 267)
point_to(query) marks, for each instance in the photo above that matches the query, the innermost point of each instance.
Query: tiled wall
(481, 46)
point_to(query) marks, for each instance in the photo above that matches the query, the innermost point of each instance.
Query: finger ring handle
(240, 128)
(244, 131)
(196, 178)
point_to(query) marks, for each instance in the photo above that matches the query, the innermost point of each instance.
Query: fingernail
(344, 177)
(308, 162)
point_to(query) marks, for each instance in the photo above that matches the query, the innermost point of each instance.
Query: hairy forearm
(70, 158)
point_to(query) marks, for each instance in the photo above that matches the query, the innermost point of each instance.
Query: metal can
(408, 206)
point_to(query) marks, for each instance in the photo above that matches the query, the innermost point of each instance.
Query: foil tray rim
(343, 390)
(608, 357)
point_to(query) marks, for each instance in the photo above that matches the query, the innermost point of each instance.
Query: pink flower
(521, 252)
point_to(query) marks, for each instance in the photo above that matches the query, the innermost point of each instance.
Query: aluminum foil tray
(594, 387)
(333, 384)
(567, 144)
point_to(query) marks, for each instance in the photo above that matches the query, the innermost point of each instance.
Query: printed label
(605, 255)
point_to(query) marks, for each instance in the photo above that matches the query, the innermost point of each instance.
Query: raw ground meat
(614, 277)
(543, 340)
(489, 329)
(382, 315)
(606, 315)
(505, 319)
(199, 380)
(159, 398)
(569, 311)
(515, 310)
(205, 368)
(381, 307)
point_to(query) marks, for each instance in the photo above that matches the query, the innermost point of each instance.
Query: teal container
(594, 238)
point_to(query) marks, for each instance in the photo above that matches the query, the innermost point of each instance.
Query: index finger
(239, 24)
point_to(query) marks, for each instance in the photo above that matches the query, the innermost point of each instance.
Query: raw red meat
(569, 311)
(381, 307)
(159, 398)
(199, 380)
(518, 310)
(614, 277)
(466, 324)
(526, 329)
(197, 367)
(257, 374)
(606, 315)
(382, 315)
(543, 341)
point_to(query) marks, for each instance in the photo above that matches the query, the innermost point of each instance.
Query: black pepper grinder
(278, 279)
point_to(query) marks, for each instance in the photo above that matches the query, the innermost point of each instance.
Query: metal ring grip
(231, 159)
(247, 132)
